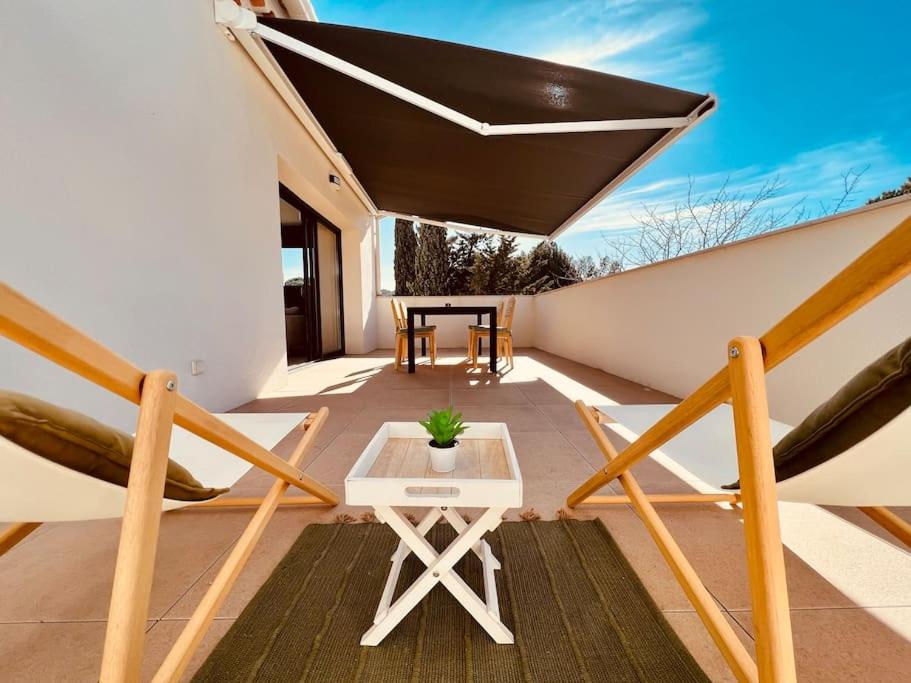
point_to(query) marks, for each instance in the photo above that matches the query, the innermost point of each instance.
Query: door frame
(306, 210)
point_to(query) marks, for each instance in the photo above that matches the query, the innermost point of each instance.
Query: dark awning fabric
(413, 162)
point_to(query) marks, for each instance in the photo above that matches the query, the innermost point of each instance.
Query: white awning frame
(459, 227)
(245, 28)
(237, 19)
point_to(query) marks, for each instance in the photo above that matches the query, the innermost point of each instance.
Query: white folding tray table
(394, 471)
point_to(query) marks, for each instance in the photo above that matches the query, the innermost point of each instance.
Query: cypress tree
(406, 247)
(432, 263)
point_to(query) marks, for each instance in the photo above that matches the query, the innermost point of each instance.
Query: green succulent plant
(444, 427)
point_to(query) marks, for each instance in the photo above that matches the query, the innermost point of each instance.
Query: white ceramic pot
(443, 459)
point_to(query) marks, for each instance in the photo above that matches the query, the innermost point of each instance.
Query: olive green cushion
(486, 328)
(85, 445)
(870, 400)
(426, 329)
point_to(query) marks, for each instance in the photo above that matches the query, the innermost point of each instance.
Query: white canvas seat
(875, 472)
(36, 489)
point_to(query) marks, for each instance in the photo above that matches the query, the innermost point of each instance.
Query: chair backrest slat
(509, 311)
(396, 317)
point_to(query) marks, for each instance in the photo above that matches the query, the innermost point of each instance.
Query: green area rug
(577, 610)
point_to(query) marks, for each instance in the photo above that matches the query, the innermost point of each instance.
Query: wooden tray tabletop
(394, 469)
(408, 458)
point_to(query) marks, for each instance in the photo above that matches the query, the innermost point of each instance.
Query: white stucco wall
(452, 331)
(141, 155)
(667, 325)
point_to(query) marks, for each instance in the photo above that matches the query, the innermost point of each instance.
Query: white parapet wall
(452, 331)
(667, 325)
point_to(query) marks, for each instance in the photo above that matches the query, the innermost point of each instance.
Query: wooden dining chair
(428, 332)
(505, 312)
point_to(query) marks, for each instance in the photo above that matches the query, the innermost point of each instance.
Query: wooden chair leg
(765, 555)
(397, 363)
(125, 635)
(891, 522)
(188, 641)
(433, 350)
(732, 649)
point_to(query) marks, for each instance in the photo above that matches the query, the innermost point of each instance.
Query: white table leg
(398, 559)
(439, 570)
(456, 522)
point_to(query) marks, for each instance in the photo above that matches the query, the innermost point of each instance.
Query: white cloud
(813, 177)
(647, 40)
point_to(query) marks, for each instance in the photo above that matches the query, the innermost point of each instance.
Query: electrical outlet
(197, 367)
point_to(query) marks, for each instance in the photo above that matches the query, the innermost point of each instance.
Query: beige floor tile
(517, 418)
(548, 457)
(284, 528)
(66, 574)
(502, 395)
(835, 645)
(424, 377)
(66, 652)
(691, 631)
(371, 419)
(539, 392)
(563, 417)
(425, 399)
(835, 640)
(643, 555)
(711, 536)
(332, 464)
(859, 519)
(266, 405)
(583, 442)
(160, 638)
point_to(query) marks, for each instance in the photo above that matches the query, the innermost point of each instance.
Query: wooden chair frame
(505, 313)
(160, 407)
(401, 336)
(743, 382)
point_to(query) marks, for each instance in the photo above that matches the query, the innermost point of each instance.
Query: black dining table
(479, 311)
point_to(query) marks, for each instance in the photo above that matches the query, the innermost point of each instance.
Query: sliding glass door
(312, 267)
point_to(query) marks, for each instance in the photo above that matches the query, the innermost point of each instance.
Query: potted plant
(444, 428)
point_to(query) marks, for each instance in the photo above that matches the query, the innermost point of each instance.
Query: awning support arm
(229, 14)
(460, 227)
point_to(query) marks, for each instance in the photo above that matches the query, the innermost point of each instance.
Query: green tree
(588, 267)
(477, 282)
(502, 269)
(432, 263)
(462, 251)
(406, 247)
(547, 267)
(904, 188)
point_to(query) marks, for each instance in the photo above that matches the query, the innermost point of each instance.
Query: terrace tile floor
(850, 586)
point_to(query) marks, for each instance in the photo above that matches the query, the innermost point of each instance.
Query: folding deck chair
(34, 490)
(707, 441)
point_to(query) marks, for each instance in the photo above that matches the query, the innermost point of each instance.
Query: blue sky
(807, 90)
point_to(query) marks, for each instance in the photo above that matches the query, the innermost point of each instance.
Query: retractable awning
(459, 134)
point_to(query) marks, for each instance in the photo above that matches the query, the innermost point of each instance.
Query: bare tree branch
(702, 221)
